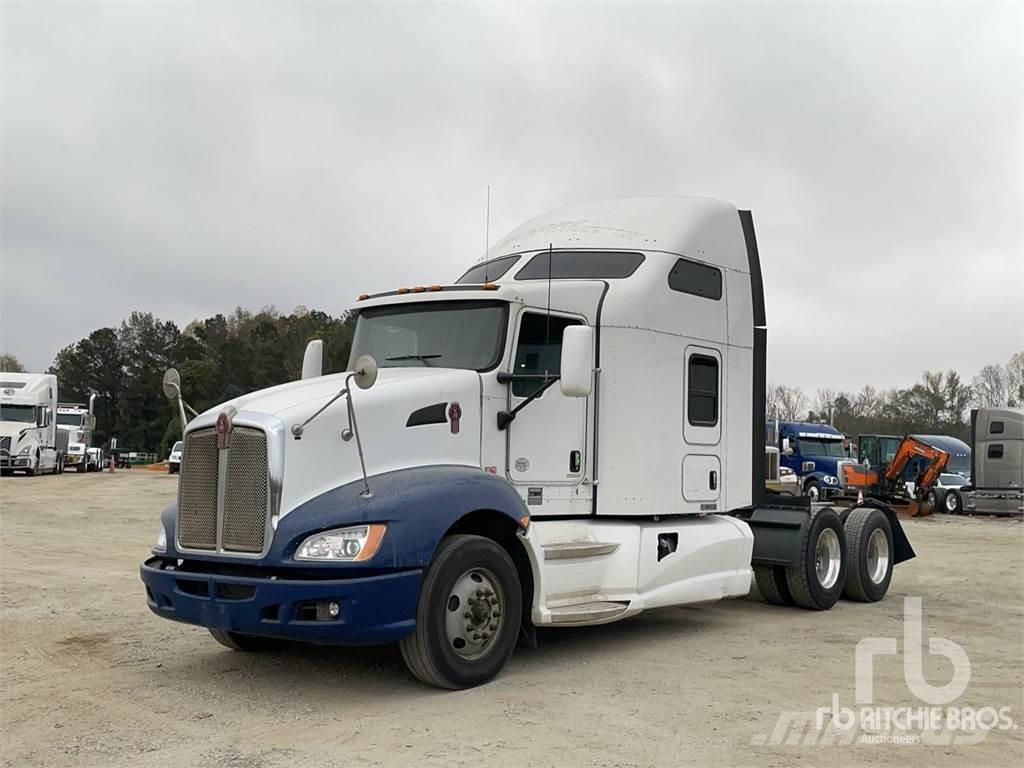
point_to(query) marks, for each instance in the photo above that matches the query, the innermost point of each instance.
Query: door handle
(575, 460)
(713, 480)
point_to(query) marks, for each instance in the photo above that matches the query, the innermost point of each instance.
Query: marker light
(353, 545)
(161, 541)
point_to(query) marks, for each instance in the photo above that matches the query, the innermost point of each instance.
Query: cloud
(188, 158)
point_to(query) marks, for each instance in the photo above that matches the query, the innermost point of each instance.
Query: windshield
(956, 480)
(441, 334)
(69, 419)
(812, 447)
(23, 413)
(176, 447)
(959, 463)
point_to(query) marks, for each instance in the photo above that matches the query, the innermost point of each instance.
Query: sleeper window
(702, 391)
(995, 451)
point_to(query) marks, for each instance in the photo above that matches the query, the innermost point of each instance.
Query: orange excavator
(911, 448)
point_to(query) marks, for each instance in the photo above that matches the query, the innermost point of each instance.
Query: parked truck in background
(570, 434)
(29, 439)
(815, 453)
(997, 469)
(78, 421)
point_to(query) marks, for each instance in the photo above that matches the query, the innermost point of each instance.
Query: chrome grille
(197, 492)
(245, 497)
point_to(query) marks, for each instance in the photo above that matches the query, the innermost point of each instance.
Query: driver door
(547, 443)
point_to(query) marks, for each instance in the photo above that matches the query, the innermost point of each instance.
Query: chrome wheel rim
(812, 492)
(827, 558)
(951, 503)
(878, 556)
(474, 613)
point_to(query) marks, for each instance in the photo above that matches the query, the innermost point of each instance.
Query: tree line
(939, 403)
(225, 356)
(219, 358)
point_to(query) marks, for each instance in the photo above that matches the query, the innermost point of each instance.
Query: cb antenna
(487, 230)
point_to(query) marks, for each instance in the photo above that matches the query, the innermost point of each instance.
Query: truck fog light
(333, 609)
(355, 544)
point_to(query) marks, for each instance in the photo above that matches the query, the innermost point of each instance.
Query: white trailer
(570, 434)
(29, 439)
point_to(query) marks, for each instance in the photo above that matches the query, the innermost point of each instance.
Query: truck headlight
(25, 451)
(355, 545)
(830, 480)
(161, 541)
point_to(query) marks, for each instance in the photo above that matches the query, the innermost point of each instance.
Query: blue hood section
(418, 505)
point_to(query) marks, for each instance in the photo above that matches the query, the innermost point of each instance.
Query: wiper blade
(422, 358)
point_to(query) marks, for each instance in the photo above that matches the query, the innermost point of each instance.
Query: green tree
(10, 364)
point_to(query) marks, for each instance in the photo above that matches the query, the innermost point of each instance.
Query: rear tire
(245, 643)
(871, 555)
(771, 583)
(447, 649)
(816, 581)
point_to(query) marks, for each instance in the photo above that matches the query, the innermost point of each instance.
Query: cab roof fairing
(692, 227)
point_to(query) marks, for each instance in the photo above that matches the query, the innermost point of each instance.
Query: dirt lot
(90, 677)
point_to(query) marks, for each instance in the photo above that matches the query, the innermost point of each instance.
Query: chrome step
(574, 614)
(570, 550)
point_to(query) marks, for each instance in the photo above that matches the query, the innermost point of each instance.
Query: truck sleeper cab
(568, 435)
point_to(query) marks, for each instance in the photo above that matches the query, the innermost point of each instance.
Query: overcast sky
(185, 159)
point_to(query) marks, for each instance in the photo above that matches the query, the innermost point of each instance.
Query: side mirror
(577, 373)
(365, 373)
(786, 447)
(313, 360)
(171, 384)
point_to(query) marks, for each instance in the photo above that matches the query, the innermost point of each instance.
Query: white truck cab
(29, 439)
(569, 434)
(77, 421)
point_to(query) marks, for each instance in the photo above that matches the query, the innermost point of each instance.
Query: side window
(697, 279)
(995, 428)
(538, 350)
(702, 391)
(995, 451)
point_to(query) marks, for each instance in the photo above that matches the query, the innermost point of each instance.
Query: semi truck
(79, 421)
(568, 435)
(815, 453)
(29, 439)
(997, 462)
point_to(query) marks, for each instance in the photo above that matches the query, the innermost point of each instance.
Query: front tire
(468, 615)
(245, 643)
(953, 503)
(871, 556)
(813, 491)
(816, 582)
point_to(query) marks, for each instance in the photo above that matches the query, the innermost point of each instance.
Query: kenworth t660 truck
(568, 435)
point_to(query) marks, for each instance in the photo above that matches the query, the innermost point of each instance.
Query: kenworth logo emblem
(223, 427)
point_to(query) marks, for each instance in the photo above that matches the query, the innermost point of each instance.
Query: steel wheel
(952, 503)
(931, 501)
(828, 559)
(813, 491)
(475, 613)
(878, 556)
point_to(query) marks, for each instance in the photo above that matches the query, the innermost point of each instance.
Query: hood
(404, 420)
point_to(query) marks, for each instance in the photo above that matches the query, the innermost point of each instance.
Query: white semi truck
(29, 439)
(568, 435)
(79, 421)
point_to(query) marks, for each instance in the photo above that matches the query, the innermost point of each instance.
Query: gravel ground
(88, 677)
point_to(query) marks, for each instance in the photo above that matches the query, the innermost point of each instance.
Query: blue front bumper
(373, 610)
